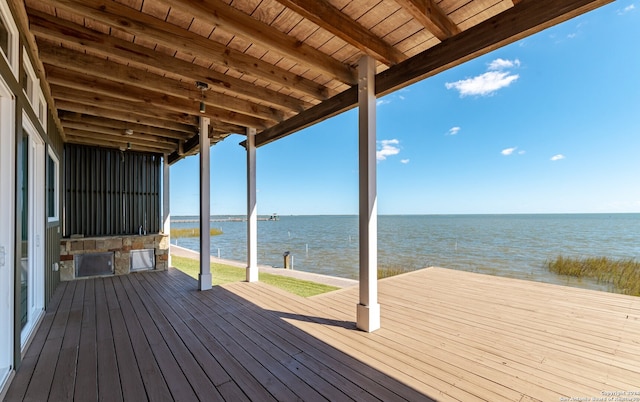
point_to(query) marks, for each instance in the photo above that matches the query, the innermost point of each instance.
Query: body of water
(506, 245)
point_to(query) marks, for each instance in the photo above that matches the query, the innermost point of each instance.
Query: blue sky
(549, 124)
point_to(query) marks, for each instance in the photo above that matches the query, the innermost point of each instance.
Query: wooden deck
(446, 335)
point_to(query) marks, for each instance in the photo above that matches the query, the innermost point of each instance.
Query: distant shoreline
(235, 217)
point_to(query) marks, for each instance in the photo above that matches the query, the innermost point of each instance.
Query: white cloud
(453, 130)
(497, 77)
(483, 84)
(382, 102)
(404, 161)
(522, 152)
(387, 148)
(627, 9)
(502, 64)
(557, 157)
(508, 151)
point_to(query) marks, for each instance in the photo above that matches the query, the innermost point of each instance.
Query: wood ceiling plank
(48, 27)
(524, 19)
(496, 8)
(123, 125)
(155, 104)
(431, 16)
(138, 23)
(126, 116)
(82, 139)
(119, 135)
(127, 76)
(266, 11)
(112, 103)
(229, 19)
(329, 18)
(287, 20)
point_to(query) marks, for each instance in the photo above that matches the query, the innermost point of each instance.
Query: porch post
(204, 278)
(166, 208)
(252, 208)
(368, 310)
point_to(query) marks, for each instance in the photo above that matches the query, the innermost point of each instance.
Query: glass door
(31, 187)
(7, 181)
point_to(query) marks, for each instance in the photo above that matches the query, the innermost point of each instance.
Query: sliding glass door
(7, 208)
(31, 187)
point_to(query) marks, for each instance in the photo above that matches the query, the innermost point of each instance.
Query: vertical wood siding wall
(109, 192)
(54, 229)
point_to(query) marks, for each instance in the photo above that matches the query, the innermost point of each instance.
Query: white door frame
(36, 239)
(7, 214)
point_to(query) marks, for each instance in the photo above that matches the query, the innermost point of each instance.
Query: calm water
(507, 245)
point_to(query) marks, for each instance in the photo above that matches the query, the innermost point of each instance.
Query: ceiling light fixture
(202, 86)
(128, 131)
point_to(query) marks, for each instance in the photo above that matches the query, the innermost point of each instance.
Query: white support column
(368, 310)
(252, 208)
(166, 207)
(204, 278)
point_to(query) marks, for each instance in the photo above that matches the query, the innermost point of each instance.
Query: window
(8, 38)
(4, 37)
(53, 187)
(31, 88)
(42, 109)
(29, 80)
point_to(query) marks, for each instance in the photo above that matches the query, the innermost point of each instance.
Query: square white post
(252, 208)
(204, 278)
(368, 310)
(166, 207)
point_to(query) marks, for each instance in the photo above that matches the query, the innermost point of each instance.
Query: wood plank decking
(446, 335)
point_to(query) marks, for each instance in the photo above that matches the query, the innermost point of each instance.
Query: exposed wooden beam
(114, 134)
(429, 14)
(236, 22)
(119, 114)
(83, 140)
(327, 109)
(524, 19)
(123, 143)
(64, 61)
(137, 23)
(49, 27)
(190, 147)
(150, 103)
(90, 112)
(113, 103)
(329, 18)
(93, 121)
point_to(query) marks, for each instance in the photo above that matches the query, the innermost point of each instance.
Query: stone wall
(121, 246)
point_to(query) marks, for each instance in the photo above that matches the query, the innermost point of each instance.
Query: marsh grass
(222, 274)
(623, 274)
(388, 272)
(193, 232)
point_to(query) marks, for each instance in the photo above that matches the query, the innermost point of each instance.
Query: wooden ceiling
(278, 66)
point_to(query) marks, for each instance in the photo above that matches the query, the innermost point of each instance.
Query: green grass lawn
(222, 274)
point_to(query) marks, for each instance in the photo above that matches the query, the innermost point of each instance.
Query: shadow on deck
(446, 335)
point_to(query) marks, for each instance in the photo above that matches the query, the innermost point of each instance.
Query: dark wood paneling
(109, 192)
(53, 232)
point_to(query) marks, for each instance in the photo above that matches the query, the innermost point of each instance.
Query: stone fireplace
(144, 252)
